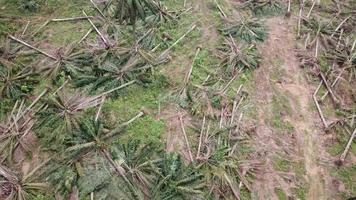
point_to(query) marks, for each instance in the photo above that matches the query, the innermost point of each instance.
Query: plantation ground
(282, 150)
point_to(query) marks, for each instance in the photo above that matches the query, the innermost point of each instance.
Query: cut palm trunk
(348, 146)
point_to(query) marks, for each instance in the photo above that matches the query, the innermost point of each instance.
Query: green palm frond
(247, 29)
(131, 11)
(265, 7)
(177, 181)
(237, 57)
(16, 81)
(70, 61)
(116, 67)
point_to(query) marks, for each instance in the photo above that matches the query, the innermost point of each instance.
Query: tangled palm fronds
(319, 33)
(17, 186)
(265, 7)
(345, 54)
(117, 67)
(14, 81)
(138, 161)
(70, 61)
(131, 11)
(14, 129)
(247, 29)
(237, 57)
(62, 113)
(176, 181)
(93, 137)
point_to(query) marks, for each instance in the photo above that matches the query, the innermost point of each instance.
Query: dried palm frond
(247, 29)
(319, 31)
(345, 54)
(22, 186)
(237, 57)
(14, 129)
(14, 81)
(17, 126)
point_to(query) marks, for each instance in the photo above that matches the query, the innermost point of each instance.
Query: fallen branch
(163, 54)
(200, 138)
(32, 47)
(97, 30)
(348, 146)
(318, 106)
(186, 138)
(332, 95)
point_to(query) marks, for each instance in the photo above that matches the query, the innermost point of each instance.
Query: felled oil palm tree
(345, 54)
(93, 137)
(264, 7)
(220, 166)
(319, 32)
(62, 113)
(247, 29)
(130, 11)
(22, 186)
(116, 67)
(177, 181)
(235, 57)
(14, 129)
(14, 81)
(69, 60)
(137, 159)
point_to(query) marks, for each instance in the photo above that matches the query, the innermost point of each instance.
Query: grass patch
(280, 193)
(281, 164)
(146, 129)
(281, 107)
(301, 192)
(348, 177)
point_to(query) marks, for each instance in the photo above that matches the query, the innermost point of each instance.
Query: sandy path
(305, 142)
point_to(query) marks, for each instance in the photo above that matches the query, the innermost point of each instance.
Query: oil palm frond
(14, 129)
(70, 61)
(93, 137)
(247, 29)
(62, 114)
(22, 186)
(127, 11)
(237, 57)
(14, 81)
(138, 158)
(265, 7)
(345, 54)
(116, 67)
(319, 33)
(177, 181)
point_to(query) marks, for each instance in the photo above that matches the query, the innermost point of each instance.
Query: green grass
(348, 176)
(147, 129)
(283, 165)
(281, 107)
(336, 148)
(280, 193)
(301, 192)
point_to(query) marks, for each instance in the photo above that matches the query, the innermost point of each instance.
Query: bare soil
(304, 144)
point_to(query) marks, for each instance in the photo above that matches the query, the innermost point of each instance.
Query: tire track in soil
(305, 142)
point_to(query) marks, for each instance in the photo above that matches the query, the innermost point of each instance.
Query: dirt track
(304, 143)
